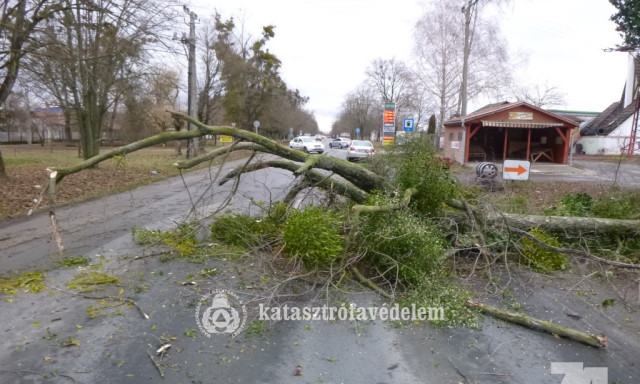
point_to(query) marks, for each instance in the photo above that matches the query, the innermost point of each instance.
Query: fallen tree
(376, 195)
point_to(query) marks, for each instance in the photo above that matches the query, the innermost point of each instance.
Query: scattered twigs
(547, 326)
(38, 200)
(29, 372)
(155, 363)
(121, 299)
(575, 251)
(370, 283)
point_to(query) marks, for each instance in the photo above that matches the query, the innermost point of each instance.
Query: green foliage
(620, 205)
(575, 204)
(256, 328)
(91, 280)
(440, 290)
(416, 165)
(432, 125)
(244, 230)
(142, 236)
(73, 261)
(541, 259)
(627, 19)
(182, 239)
(27, 282)
(315, 236)
(403, 239)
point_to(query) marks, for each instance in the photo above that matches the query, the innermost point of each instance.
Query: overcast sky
(327, 45)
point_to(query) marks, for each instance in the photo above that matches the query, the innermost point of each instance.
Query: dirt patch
(26, 167)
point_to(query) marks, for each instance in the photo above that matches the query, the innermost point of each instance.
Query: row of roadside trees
(433, 84)
(114, 66)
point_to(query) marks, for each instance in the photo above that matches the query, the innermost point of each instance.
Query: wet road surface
(115, 347)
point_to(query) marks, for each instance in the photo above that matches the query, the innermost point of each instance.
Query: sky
(326, 46)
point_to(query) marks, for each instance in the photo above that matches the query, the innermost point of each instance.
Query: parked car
(339, 142)
(359, 149)
(319, 137)
(307, 144)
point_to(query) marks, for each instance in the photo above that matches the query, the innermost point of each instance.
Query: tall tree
(98, 45)
(362, 109)
(440, 51)
(627, 19)
(18, 23)
(250, 75)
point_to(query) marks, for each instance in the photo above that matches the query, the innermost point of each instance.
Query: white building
(610, 132)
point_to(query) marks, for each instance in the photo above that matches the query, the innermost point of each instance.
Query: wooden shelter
(518, 131)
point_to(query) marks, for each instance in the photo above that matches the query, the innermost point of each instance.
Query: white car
(359, 149)
(307, 144)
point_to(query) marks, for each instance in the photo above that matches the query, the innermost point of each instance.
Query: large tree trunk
(3, 171)
(566, 224)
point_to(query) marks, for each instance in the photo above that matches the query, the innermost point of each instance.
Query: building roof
(491, 109)
(608, 120)
(616, 113)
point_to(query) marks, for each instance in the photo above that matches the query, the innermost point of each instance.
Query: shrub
(315, 236)
(404, 239)
(541, 259)
(417, 166)
(243, 230)
(617, 206)
(575, 204)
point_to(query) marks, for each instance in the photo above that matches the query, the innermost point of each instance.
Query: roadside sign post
(516, 170)
(256, 124)
(357, 133)
(408, 124)
(388, 124)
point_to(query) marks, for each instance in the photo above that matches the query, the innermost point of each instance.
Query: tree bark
(3, 170)
(563, 224)
(566, 224)
(547, 326)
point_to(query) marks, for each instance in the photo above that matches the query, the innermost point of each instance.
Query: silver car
(307, 144)
(339, 143)
(359, 149)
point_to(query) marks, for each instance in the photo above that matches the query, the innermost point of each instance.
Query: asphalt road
(115, 347)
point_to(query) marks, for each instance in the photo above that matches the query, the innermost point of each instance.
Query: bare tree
(438, 42)
(391, 79)
(18, 23)
(97, 46)
(362, 109)
(440, 51)
(210, 88)
(542, 96)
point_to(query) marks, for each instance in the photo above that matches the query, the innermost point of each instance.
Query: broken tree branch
(547, 326)
(314, 177)
(370, 284)
(574, 251)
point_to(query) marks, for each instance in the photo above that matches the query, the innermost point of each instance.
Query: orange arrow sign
(520, 169)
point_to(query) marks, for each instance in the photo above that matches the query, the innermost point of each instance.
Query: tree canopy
(627, 19)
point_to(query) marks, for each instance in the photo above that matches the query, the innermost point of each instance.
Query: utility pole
(192, 144)
(467, 50)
